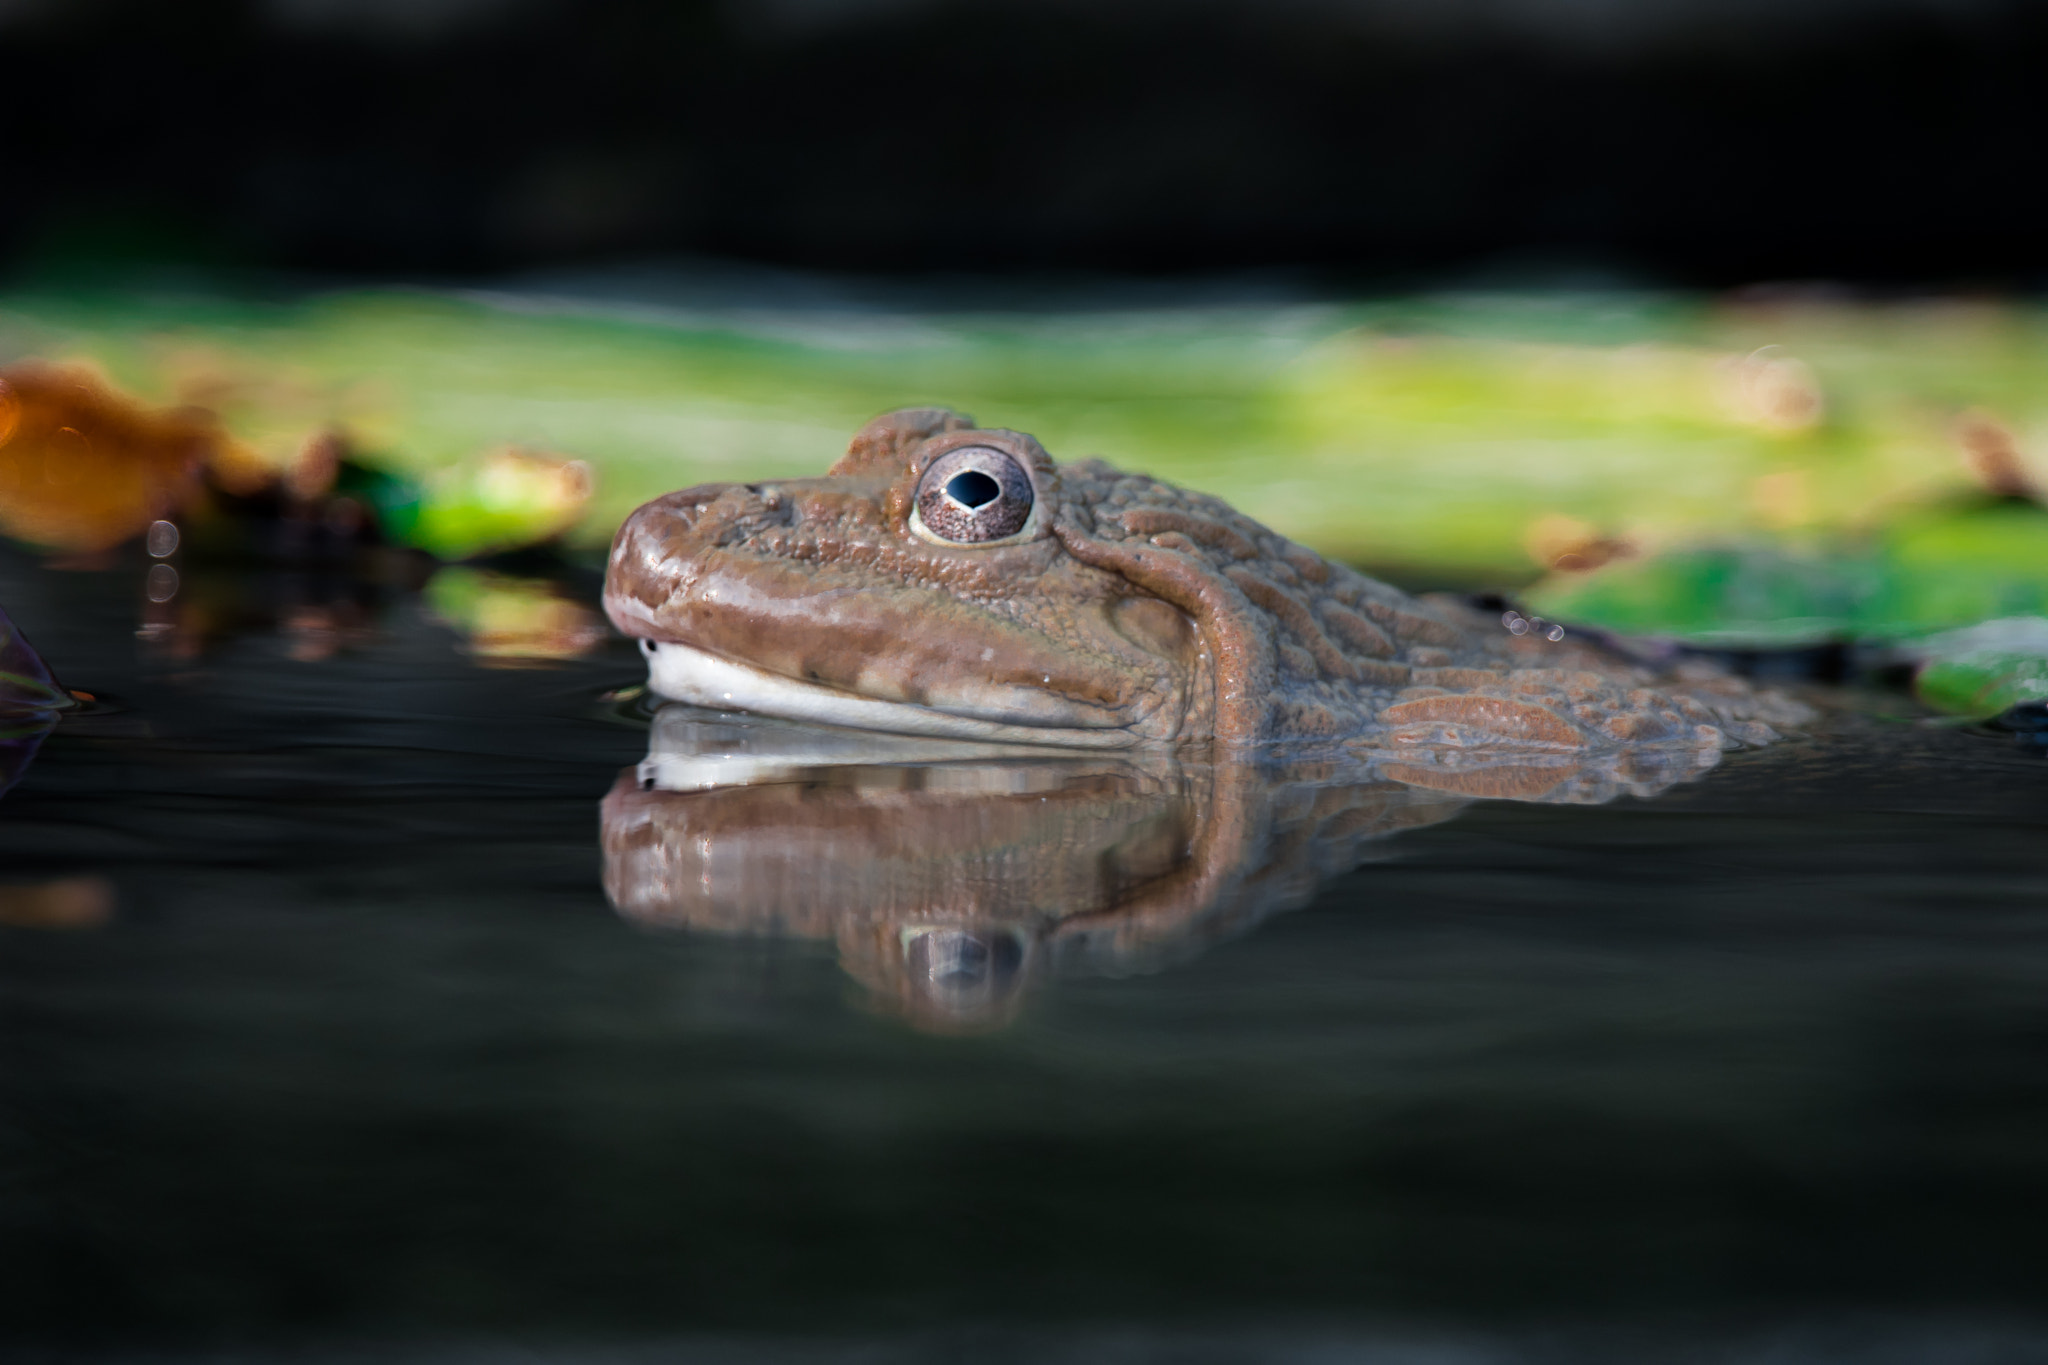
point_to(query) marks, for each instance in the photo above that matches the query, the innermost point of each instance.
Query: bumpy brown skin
(1138, 608)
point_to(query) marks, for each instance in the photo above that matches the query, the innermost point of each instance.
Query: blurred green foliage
(1446, 439)
(1931, 568)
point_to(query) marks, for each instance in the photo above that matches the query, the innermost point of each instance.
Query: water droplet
(162, 539)
(161, 583)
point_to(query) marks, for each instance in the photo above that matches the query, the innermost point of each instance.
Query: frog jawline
(700, 678)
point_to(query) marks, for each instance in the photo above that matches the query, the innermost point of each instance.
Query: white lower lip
(681, 673)
(691, 750)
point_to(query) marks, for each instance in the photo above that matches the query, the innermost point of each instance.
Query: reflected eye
(958, 966)
(974, 494)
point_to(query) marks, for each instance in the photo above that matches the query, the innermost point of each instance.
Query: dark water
(346, 1054)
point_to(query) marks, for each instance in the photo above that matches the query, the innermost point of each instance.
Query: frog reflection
(952, 876)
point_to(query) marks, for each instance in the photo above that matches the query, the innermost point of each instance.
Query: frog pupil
(973, 489)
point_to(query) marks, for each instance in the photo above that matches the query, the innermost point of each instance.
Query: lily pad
(1987, 669)
(1932, 569)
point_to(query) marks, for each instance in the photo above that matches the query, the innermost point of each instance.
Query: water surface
(357, 1059)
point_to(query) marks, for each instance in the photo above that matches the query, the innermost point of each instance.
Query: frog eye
(972, 495)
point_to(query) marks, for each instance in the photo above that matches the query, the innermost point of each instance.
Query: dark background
(1676, 140)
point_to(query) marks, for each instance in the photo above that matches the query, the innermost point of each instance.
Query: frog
(950, 581)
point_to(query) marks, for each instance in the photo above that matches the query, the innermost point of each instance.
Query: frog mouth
(702, 678)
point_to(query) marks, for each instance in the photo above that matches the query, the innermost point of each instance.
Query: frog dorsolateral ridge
(946, 581)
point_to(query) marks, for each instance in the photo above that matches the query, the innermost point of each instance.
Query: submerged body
(946, 581)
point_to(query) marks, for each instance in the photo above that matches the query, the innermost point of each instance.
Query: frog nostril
(972, 489)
